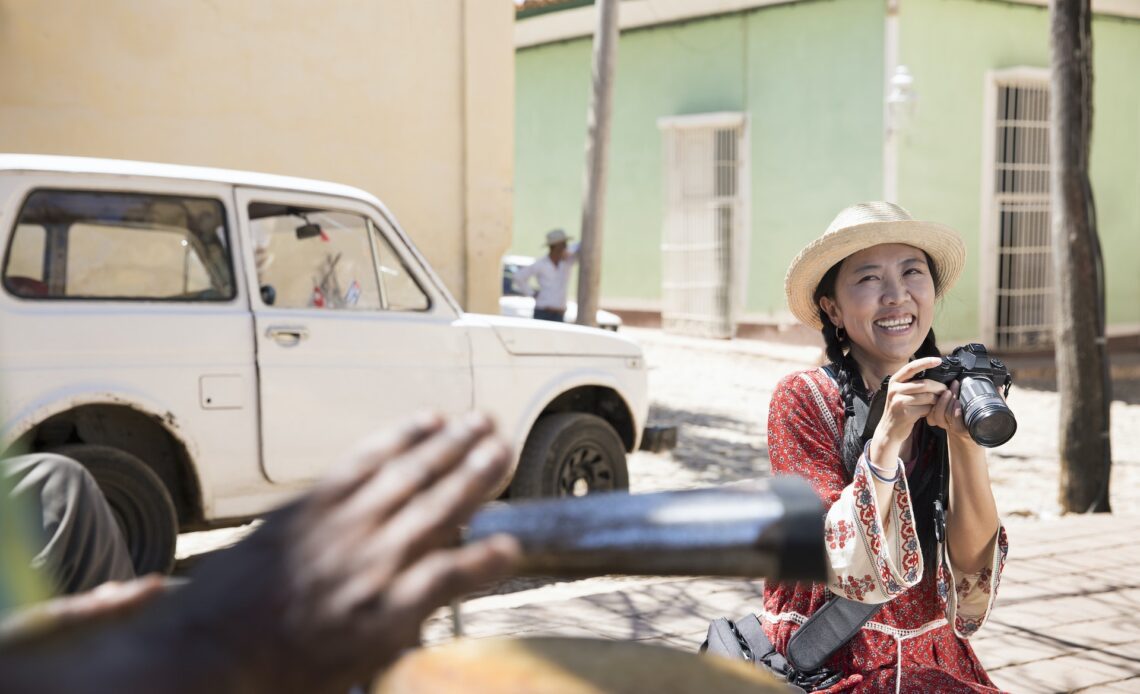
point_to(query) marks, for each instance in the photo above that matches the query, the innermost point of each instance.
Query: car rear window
(129, 246)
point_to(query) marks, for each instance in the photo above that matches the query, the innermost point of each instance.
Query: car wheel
(570, 454)
(139, 501)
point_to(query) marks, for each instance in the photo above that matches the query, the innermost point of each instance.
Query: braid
(850, 382)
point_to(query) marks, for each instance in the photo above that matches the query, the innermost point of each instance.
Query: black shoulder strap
(827, 630)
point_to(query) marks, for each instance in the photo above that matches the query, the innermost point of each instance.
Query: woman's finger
(923, 399)
(941, 411)
(913, 368)
(916, 388)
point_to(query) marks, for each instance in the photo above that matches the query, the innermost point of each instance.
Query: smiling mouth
(895, 325)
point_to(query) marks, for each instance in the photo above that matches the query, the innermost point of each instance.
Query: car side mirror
(308, 231)
(268, 294)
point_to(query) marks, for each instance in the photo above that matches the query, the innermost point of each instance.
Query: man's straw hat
(556, 236)
(862, 226)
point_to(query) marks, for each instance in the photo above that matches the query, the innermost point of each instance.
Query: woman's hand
(947, 414)
(907, 402)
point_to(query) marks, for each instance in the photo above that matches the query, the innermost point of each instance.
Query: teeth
(895, 322)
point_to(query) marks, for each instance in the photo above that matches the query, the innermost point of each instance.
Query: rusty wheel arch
(144, 435)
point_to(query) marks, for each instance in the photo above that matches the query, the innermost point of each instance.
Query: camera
(988, 419)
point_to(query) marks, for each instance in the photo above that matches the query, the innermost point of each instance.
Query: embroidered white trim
(899, 635)
(822, 404)
(895, 632)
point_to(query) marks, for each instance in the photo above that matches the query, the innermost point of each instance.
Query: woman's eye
(914, 271)
(868, 278)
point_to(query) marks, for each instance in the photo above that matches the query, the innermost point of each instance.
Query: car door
(350, 332)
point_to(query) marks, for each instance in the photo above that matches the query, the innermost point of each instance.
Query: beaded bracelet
(875, 471)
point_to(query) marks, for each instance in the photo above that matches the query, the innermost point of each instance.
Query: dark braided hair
(923, 486)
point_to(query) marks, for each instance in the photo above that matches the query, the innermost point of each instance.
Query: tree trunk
(597, 147)
(1082, 363)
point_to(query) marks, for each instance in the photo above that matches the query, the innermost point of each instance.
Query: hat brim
(551, 243)
(940, 242)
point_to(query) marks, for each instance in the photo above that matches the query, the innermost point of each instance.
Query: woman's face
(884, 299)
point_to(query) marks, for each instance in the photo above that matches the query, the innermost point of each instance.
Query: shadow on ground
(1040, 373)
(672, 612)
(715, 448)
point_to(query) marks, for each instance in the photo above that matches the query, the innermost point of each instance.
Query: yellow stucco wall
(412, 101)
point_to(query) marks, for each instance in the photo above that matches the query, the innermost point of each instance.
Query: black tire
(139, 501)
(570, 454)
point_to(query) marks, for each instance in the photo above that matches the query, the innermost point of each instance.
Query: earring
(841, 334)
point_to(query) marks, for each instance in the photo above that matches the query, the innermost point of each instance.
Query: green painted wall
(815, 95)
(949, 45)
(1115, 162)
(809, 76)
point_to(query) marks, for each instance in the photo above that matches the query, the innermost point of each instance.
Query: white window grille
(1017, 254)
(706, 215)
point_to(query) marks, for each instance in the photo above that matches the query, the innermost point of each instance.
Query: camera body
(989, 420)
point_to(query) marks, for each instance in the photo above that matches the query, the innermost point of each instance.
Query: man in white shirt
(552, 271)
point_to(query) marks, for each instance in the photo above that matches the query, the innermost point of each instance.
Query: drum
(553, 665)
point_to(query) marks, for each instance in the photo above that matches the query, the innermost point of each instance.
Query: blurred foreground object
(774, 531)
(569, 666)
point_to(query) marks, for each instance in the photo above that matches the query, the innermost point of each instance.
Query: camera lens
(989, 420)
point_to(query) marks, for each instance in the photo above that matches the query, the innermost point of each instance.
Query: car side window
(398, 288)
(313, 258)
(107, 245)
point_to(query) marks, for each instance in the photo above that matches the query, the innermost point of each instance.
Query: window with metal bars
(1023, 301)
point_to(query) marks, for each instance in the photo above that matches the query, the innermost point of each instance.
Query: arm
(972, 518)
(976, 542)
(522, 278)
(869, 560)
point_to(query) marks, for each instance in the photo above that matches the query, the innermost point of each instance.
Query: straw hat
(862, 226)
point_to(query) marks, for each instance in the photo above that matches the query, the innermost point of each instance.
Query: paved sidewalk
(1066, 618)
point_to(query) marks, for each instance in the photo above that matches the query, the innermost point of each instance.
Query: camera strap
(874, 409)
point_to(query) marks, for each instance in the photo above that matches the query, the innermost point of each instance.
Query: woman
(870, 285)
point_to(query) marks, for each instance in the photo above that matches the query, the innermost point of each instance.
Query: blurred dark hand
(333, 587)
(329, 590)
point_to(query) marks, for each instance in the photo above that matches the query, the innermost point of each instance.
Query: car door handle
(287, 335)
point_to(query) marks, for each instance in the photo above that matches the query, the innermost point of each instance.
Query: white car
(514, 303)
(207, 342)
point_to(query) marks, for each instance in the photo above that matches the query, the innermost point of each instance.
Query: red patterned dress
(917, 641)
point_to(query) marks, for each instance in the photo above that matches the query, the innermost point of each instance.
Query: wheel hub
(585, 469)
